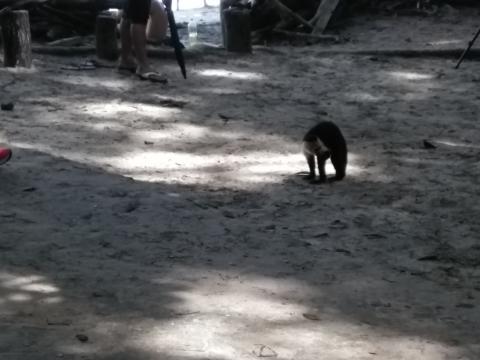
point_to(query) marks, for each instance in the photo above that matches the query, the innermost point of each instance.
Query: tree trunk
(106, 38)
(16, 39)
(237, 30)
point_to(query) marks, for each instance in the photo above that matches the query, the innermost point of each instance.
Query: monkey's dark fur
(324, 141)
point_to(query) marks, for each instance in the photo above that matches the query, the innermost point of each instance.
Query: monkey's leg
(311, 165)
(321, 169)
(340, 165)
(321, 159)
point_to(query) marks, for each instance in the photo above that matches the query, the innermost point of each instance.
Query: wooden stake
(237, 30)
(106, 38)
(16, 39)
(224, 5)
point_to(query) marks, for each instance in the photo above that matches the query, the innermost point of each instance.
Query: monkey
(324, 141)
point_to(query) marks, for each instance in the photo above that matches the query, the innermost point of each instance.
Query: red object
(5, 155)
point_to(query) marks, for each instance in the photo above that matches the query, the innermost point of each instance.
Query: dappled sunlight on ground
(20, 289)
(238, 75)
(443, 42)
(366, 97)
(236, 169)
(119, 109)
(410, 75)
(112, 83)
(257, 316)
(219, 90)
(458, 144)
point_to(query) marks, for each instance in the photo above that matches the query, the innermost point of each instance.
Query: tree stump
(106, 37)
(17, 50)
(237, 29)
(224, 5)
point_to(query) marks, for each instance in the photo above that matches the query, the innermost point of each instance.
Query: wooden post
(106, 37)
(284, 10)
(17, 48)
(224, 5)
(237, 30)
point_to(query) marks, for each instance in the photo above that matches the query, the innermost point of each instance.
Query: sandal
(153, 77)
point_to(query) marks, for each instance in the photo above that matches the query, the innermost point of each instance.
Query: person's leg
(127, 61)
(133, 33)
(139, 40)
(139, 12)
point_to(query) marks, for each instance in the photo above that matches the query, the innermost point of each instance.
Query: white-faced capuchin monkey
(324, 141)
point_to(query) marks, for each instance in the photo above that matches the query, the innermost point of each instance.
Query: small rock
(86, 216)
(428, 145)
(374, 236)
(264, 351)
(224, 117)
(132, 206)
(429, 258)
(115, 193)
(228, 214)
(379, 303)
(465, 306)
(338, 224)
(82, 338)
(8, 214)
(344, 251)
(312, 317)
(7, 106)
(29, 189)
(59, 322)
(104, 243)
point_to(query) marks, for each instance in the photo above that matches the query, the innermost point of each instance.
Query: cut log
(16, 39)
(303, 38)
(285, 10)
(323, 15)
(70, 41)
(106, 38)
(202, 50)
(237, 30)
(197, 52)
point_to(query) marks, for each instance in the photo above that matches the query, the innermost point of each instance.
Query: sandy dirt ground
(143, 221)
